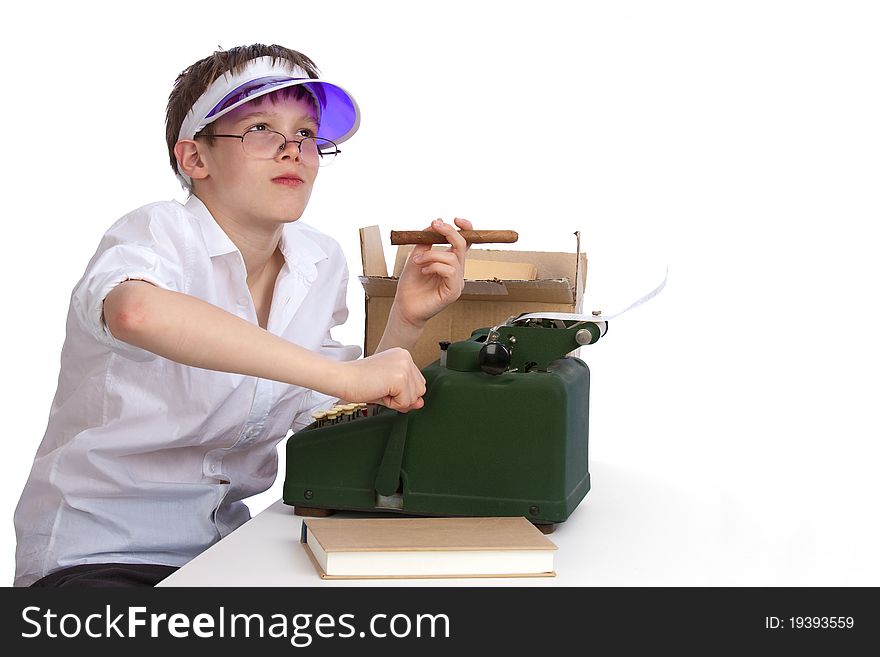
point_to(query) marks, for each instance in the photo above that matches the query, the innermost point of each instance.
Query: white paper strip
(596, 318)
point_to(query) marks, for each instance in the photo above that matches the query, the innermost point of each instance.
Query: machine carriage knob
(494, 358)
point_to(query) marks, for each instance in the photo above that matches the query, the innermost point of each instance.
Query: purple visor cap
(339, 113)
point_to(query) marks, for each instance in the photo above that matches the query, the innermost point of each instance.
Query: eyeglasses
(268, 144)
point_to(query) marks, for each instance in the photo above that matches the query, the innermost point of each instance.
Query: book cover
(379, 548)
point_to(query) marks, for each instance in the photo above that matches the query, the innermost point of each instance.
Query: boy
(200, 332)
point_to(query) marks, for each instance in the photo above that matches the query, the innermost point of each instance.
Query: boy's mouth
(290, 180)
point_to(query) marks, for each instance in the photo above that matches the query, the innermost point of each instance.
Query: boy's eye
(263, 127)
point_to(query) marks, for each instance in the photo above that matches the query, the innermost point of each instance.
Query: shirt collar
(299, 250)
(216, 239)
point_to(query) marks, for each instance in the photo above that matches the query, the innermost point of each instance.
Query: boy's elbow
(126, 312)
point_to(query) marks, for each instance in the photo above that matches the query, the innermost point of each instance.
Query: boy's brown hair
(195, 79)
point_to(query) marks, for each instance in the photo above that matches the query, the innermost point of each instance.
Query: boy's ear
(190, 160)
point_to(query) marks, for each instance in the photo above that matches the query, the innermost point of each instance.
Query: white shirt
(145, 460)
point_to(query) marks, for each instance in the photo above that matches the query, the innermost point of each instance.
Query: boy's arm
(188, 330)
(399, 333)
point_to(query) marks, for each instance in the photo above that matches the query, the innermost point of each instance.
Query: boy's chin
(287, 219)
(290, 209)
(288, 214)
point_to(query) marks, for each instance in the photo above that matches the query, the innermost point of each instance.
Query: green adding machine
(503, 432)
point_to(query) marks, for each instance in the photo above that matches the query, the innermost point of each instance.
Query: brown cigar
(470, 236)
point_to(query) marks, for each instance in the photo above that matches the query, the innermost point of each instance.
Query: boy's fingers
(456, 241)
(452, 236)
(420, 254)
(420, 249)
(403, 408)
(440, 269)
(464, 224)
(446, 257)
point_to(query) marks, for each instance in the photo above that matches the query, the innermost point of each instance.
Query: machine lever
(388, 476)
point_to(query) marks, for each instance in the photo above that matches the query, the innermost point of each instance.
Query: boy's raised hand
(389, 377)
(432, 279)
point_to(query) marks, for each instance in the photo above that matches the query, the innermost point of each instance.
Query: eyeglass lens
(267, 144)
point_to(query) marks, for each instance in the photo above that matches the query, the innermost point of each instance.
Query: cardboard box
(558, 285)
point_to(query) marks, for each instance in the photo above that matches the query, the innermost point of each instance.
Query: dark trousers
(107, 575)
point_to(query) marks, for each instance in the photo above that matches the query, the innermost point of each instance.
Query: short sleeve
(140, 246)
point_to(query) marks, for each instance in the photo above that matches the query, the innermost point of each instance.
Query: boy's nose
(290, 152)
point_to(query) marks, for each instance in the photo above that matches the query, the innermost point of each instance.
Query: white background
(733, 427)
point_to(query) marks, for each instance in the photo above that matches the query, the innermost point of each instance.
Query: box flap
(378, 286)
(372, 253)
(550, 264)
(557, 290)
(487, 270)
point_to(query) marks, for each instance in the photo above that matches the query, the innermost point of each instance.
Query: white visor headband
(338, 114)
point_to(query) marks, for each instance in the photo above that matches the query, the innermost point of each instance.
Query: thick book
(380, 548)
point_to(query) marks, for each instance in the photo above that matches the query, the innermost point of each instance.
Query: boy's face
(267, 190)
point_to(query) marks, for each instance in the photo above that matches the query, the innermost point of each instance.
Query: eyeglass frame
(282, 135)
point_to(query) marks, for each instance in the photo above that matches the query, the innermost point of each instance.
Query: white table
(266, 552)
(635, 527)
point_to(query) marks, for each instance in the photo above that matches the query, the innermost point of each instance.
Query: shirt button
(243, 302)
